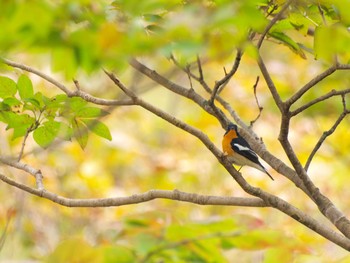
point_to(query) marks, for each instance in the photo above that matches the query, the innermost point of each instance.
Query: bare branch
(271, 85)
(257, 102)
(311, 84)
(272, 22)
(38, 73)
(139, 198)
(25, 167)
(330, 94)
(326, 134)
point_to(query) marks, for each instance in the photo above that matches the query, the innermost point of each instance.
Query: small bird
(238, 150)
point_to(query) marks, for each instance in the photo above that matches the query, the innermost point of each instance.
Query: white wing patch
(243, 148)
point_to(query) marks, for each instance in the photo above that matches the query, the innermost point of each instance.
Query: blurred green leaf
(25, 87)
(122, 254)
(75, 250)
(98, 128)
(80, 132)
(286, 40)
(46, 133)
(90, 112)
(8, 87)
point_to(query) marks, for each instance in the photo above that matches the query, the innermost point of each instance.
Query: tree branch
(271, 85)
(310, 84)
(38, 73)
(326, 134)
(222, 82)
(272, 22)
(138, 198)
(330, 94)
(26, 168)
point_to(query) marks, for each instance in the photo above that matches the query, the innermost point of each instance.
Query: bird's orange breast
(226, 142)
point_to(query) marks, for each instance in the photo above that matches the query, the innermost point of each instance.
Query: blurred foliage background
(76, 39)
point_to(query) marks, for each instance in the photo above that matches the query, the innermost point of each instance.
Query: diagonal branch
(272, 22)
(326, 134)
(311, 84)
(220, 84)
(330, 94)
(271, 86)
(269, 199)
(36, 72)
(26, 168)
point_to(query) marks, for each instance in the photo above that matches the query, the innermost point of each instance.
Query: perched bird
(238, 150)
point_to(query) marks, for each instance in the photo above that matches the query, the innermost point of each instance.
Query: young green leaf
(80, 133)
(286, 40)
(45, 134)
(98, 128)
(25, 87)
(12, 102)
(8, 87)
(91, 112)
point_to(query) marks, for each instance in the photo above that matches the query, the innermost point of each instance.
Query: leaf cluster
(47, 118)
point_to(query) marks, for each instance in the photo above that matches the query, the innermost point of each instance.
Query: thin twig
(271, 86)
(327, 134)
(322, 14)
(257, 102)
(311, 84)
(38, 73)
(29, 130)
(222, 82)
(324, 97)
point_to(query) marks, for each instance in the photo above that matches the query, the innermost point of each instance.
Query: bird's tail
(262, 168)
(269, 175)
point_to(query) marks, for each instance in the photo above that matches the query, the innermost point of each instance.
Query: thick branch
(139, 198)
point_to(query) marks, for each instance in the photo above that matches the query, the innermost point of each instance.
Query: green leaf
(286, 40)
(98, 128)
(91, 112)
(66, 251)
(8, 87)
(25, 87)
(45, 134)
(33, 102)
(76, 103)
(20, 123)
(339, 35)
(11, 101)
(65, 132)
(123, 254)
(80, 133)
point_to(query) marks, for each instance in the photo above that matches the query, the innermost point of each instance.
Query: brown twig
(327, 133)
(311, 84)
(220, 84)
(328, 95)
(257, 102)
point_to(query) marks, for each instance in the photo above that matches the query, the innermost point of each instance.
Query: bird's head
(232, 126)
